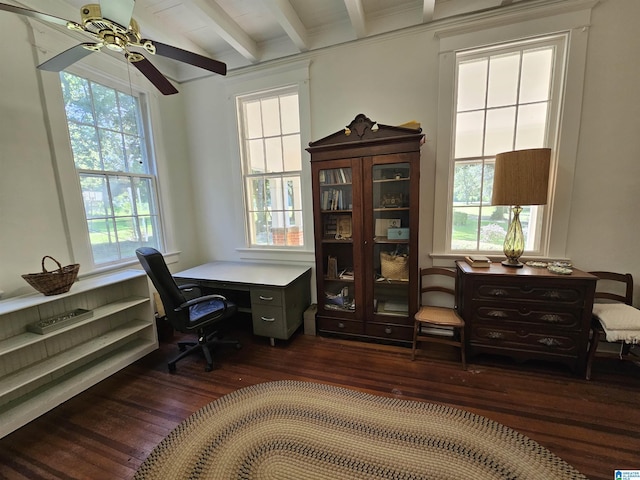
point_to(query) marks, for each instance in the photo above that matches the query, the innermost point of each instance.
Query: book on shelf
(478, 261)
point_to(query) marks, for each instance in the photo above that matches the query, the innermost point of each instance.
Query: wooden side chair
(615, 320)
(438, 324)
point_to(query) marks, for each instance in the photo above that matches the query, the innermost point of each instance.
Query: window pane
(95, 196)
(121, 196)
(112, 151)
(472, 78)
(464, 229)
(143, 196)
(253, 119)
(292, 153)
(107, 112)
(77, 99)
(532, 126)
(104, 240)
(290, 116)
(500, 129)
(148, 227)
(467, 183)
(469, 129)
(273, 148)
(271, 117)
(503, 80)
(85, 146)
(256, 156)
(129, 114)
(256, 194)
(134, 159)
(535, 85)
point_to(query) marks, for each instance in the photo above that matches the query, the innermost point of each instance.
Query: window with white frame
(109, 142)
(507, 97)
(271, 152)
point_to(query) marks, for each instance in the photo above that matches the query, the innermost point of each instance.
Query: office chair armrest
(206, 298)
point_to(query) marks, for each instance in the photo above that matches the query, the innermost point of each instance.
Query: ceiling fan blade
(118, 11)
(34, 14)
(153, 74)
(68, 57)
(190, 58)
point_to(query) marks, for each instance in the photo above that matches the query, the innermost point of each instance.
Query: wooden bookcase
(366, 198)
(40, 371)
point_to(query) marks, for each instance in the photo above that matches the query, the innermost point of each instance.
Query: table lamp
(520, 178)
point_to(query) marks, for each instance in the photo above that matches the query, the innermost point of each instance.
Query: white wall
(392, 79)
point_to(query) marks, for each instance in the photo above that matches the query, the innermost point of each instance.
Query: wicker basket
(394, 267)
(55, 281)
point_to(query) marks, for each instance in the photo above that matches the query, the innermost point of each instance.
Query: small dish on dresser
(559, 270)
(561, 264)
(537, 264)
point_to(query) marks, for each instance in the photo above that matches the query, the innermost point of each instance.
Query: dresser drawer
(266, 296)
(549, 293)
(528, 313)
(507, 337)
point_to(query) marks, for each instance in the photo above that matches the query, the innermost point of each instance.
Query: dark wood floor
(107, 431)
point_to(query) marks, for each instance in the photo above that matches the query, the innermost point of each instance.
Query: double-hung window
(110, 147)
(506, 98)
(271, 152)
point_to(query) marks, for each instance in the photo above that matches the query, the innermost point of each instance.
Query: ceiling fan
(111, 24)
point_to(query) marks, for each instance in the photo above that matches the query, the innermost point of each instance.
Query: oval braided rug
(302, 431)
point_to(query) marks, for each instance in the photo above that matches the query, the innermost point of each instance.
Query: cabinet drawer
(548, 293)
(339, 325)
(532, 314)
(266, 296)
(523, 339)
(390, 331)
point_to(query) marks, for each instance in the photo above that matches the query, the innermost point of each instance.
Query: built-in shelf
(40, 371)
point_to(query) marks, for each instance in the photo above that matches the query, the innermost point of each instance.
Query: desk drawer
(266, 296)
(268, 321)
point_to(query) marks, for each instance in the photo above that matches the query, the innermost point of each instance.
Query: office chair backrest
(153, 263)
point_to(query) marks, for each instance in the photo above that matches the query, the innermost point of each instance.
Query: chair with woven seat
(203, 315)
(615, 320)
(436, 323)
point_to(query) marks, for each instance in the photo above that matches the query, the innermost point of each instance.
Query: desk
(276, 295)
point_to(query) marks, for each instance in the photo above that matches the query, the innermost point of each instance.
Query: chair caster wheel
(172, 368)
(238, 346)
(208, 368)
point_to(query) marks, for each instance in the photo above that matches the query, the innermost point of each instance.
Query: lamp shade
(521, 177)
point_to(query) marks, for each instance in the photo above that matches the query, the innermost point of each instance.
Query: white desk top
(244, 273)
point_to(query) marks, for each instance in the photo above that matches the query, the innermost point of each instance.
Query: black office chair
(203, 315)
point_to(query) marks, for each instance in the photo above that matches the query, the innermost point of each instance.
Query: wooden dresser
(526, 313)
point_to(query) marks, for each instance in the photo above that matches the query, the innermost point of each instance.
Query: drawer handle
(550, 342)
(340, 325)
(495, 335)
(551, 318)
(497, 313)
(553, 294)
(388, 330)
(266, 299)
(266, 319)
(499, 292)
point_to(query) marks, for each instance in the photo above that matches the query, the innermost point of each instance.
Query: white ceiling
(247, 32)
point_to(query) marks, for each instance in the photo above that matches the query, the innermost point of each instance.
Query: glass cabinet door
(336, 208)
(391, 207)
